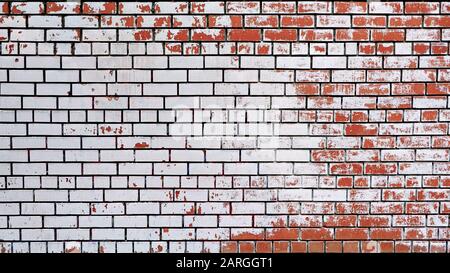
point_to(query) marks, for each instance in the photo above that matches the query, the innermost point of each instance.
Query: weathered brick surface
(233, 126)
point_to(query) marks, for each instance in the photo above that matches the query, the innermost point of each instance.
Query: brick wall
(233, 126)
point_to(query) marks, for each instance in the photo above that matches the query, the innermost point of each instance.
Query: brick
(421, 8)
(280, 35)
(11, 62)
(37, 234)
(27, 8)
(77, 62)
(293, 62)
(244, 35)
(243, 7)
(297, 21)
(328, 62)
(63, 8)
(333, 21)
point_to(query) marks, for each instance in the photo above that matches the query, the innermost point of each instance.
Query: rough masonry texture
(224, 126)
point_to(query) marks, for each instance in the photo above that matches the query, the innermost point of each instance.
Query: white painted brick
(329, 62)
(205, 75)
(221, 62)
(32, 35)
(170, 168)
(292, 155)
(329, 195)
(150, 62)
(169, 76)
(294, 62)
(241, 76)
(185, 62)
(38, 21)
(11, 62)
(81, 21)
(257, 62)
(240, 168)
